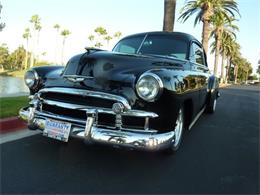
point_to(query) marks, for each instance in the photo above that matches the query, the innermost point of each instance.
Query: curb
(224, 85)
(11, 124)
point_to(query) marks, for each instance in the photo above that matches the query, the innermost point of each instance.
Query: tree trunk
(246, 76)
(169, 15)
(32, 51)
(26, 55)
(235, 73)
(217, 53)
(222, 68)
(205, 35)
(62, 51)
(227, 70)
(56, 48)
(26, 61)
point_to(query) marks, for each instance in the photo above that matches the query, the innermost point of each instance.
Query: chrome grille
(77, 103)
(77, 99)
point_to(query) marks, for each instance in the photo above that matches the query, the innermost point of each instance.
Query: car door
(199, 66)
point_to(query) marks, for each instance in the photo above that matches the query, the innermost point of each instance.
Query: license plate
(57, 130)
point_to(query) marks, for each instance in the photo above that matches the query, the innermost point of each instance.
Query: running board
(196, 118)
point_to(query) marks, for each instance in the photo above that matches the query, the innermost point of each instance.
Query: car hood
(109, 72)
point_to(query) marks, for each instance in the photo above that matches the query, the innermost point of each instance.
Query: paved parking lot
(219, 155)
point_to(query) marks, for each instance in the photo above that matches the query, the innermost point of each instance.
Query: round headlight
(31, 79)
(148, 86)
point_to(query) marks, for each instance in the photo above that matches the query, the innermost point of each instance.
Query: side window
(197, 55)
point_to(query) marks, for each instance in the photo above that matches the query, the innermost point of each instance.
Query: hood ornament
(76, 78)
(92, 49)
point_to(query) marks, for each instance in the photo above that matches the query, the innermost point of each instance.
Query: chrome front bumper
(130, 138)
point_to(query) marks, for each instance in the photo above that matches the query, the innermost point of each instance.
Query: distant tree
(42, 63)
(91, 39)
(118, 34)
(16, 59)
(258, 69)
(26, 36)
(101, 31)
(2, 25)
(65, 33)
(35, 20)
(4, 55)
(204, 10)
(57, 27)
(221, 27)
(108, 38)
(98, 44)
(169, 15)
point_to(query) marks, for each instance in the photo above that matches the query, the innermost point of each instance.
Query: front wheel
(178, 130)
(211, 106)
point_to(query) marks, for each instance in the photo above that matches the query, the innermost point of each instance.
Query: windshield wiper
(162, 56)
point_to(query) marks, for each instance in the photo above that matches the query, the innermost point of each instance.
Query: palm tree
(2, 25)
(65, 33)
(57, 27)
(100, 32)
(38, 28)
(233, 51)
(26, 36)
(98, 44)
(108, 38)
(91, 38)
(221, 27)
(258, 68)
(169, 15)
(118, 34)
(205, 9)
(35, 20)
(223, 50)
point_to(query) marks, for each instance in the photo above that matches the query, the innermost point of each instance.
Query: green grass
(10, 106)
(13, 73)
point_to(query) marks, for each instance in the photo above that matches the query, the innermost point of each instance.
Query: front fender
(45, 72)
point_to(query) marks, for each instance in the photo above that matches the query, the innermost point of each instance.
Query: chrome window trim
(82, 92)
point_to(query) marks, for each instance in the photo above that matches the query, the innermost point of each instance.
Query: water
(12, 86)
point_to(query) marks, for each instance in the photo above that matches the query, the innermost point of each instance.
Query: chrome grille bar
(82, 92)
(136, 113)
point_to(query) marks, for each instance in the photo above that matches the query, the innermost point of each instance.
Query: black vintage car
(142, 95)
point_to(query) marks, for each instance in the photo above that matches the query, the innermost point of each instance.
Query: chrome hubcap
(178, 128)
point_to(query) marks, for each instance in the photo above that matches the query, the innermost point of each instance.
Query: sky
(81, 17)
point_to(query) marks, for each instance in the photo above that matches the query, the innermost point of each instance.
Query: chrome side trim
(77, 76)
(136, 113)
(196, 117)
(82, 92)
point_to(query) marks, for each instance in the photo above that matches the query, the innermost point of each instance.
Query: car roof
(180, 35)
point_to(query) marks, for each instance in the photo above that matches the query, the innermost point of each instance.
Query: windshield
(153, 45)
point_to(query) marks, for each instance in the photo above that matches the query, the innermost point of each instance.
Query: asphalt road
(219, 155)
